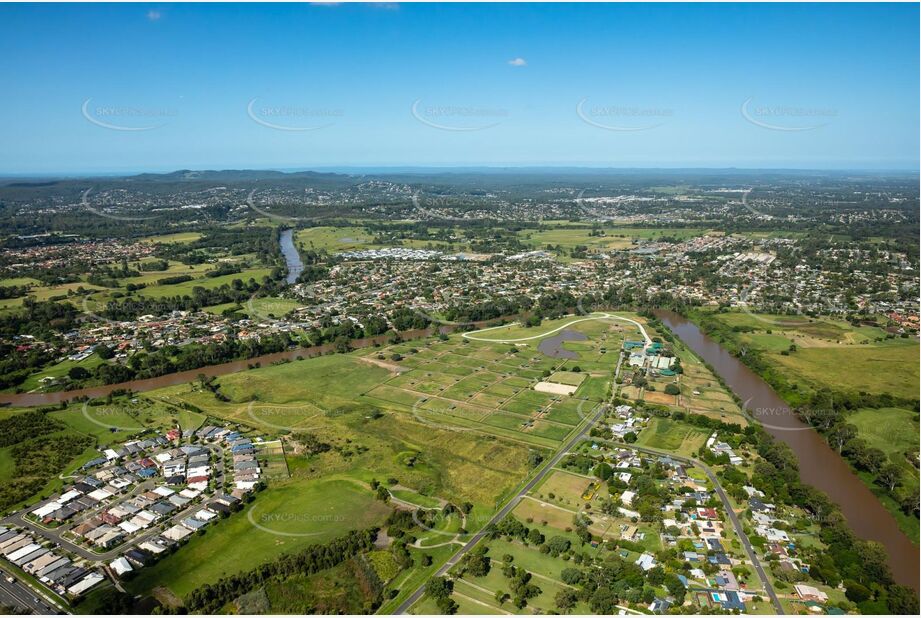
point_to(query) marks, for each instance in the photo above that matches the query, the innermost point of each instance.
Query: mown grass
(287, 516)
(673, 436)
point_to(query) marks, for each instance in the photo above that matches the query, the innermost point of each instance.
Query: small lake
(553, 346)
(292, 257)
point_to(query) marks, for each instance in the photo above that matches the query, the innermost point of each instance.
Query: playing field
(283, 518)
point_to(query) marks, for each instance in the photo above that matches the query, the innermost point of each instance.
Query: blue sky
(123, 88)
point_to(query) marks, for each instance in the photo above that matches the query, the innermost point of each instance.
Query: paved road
(55, 534)
(415, 596)
(19, 596)
(600, 316)
(765, 582)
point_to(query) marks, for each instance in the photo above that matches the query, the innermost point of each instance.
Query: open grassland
(886, 368)
(330, 397)
(58, 370)
(481, 591)
(485, 385)
(357, 238)
(564, 488)
(262, 308)
(335, 239)
(895, 432)
(613, 238)
(173, 268)
(841, 357)
(284, 518)
(802, 329)
(186, 288)
(593, 326)
(829, 353)
(178, 237)
(672, 436)
(437, 421)
(892, 430)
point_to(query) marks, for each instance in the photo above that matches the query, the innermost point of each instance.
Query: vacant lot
(674, 436)
(886, 368)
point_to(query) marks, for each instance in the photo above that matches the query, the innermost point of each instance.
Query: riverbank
(856, 385)
(819, 465)
(292, 256)
(173, 379)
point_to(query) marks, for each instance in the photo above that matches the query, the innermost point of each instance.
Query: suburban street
(505, 510)
(510, 505)
(765, 582)
(19, 596)
(56, 534)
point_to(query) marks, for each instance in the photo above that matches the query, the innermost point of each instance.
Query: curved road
(55, 535)
(600, 317)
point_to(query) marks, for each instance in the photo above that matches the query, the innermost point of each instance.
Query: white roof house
(85, 584)
(121, 566)
(646, 561)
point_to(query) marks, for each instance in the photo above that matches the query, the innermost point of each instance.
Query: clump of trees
(210, 598)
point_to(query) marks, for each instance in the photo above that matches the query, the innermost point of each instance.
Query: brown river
(819, 465)
(172, 379)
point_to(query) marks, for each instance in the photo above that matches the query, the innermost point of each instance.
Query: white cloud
(153, 15)
(518, 62)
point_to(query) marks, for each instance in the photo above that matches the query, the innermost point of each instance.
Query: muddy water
(292, 257)
(553, 346)
(819, 465)
(172, 379)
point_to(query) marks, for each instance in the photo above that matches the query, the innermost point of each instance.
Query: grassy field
(284, 518)
(567, 377)
(467, 441)
(892, 430)
(179, 237)
(335, 239)
(885, 368)
(59, 370)
(588, 325)
(895, 432)
(185, 288)
(477, 594)
(839, 356)
(674, 436)
(564, 489)
(830, 353)
(259, 308)
(451, 420)
(614, 237)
